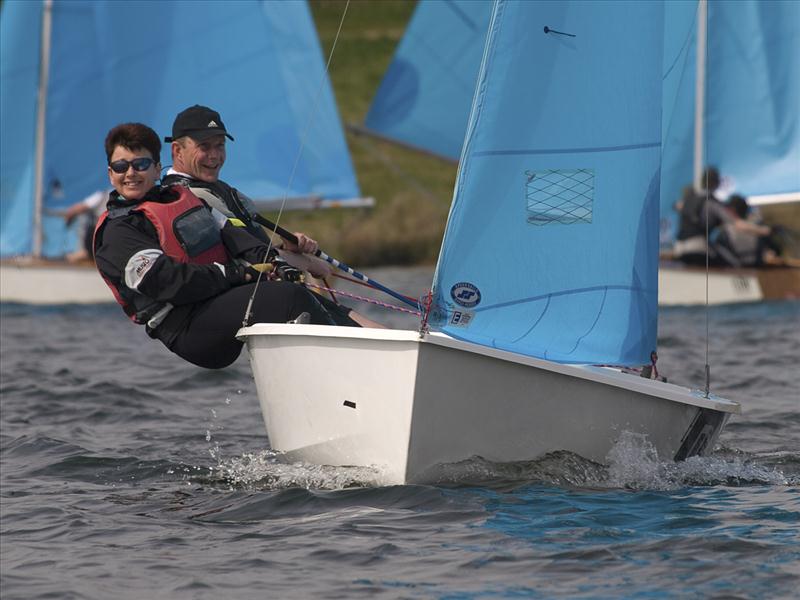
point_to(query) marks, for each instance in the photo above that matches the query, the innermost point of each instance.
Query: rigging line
(303, 139)
(325, 288)
(369, 285)
(702, 59)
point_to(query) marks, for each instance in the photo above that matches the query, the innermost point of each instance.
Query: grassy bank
(412, 192)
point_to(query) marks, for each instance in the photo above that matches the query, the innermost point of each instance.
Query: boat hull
(406, 406)
(680, 285)
(44, 282)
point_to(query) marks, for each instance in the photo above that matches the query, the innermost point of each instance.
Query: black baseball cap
(199, 123)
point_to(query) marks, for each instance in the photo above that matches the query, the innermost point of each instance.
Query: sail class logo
(465, 294)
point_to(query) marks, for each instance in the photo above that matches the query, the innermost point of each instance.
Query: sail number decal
(465, 294)
(460, 318)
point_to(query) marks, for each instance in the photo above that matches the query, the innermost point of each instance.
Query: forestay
(258, 63)
(425, 96)
(551, 244)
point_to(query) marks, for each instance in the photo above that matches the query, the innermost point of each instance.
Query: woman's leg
(208, 339)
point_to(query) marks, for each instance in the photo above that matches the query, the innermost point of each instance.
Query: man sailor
(747, 248)
(198, 154)
(700, 214)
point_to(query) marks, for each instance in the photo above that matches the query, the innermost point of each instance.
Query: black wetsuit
(208, 306)
(233, 203)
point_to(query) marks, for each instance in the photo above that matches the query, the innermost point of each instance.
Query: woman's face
(132, 184)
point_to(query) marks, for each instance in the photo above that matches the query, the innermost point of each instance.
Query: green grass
(412, 191)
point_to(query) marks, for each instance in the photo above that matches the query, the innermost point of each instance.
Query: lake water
(126, 473)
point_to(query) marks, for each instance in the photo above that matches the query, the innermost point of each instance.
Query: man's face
(200, 159)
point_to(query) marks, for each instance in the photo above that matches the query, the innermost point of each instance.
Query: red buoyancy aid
(187, 233)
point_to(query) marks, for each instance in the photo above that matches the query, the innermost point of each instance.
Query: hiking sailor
(198, 154)
(701, 214)
(181, 269)
(745, 247)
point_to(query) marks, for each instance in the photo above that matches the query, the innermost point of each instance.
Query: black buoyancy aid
(693, 215)
(227, 195)
(187, 233)
(692, 222)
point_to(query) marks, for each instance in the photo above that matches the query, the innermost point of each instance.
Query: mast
(700, 93)
(699, 147)
(41, 114)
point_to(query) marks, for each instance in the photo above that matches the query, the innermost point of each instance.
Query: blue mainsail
(752, 97)
(20, 23)
(258, 63)
(425, 96)
(551, 245)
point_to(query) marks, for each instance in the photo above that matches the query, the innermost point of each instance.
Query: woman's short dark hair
(133, 136)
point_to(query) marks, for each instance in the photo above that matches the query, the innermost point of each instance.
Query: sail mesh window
(562, 196)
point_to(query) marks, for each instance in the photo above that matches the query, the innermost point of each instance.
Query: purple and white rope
(364, 299)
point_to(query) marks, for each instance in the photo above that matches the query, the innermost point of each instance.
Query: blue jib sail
(551, 245)
(751, 123)
(258, 63)
(425, 96)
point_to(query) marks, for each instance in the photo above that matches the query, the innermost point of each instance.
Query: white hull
(386, 399)
(51, 283)
(679, 285)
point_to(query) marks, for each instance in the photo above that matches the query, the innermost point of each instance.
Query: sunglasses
(138, 164)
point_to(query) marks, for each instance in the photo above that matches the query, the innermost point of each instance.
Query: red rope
(426, 311)
(363, 299)
(654, 360)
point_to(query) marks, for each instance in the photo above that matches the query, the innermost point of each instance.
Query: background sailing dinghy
(549, 265)
(752, 132)
(84, 82)
(731, 98)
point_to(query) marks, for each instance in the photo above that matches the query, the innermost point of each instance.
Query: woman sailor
(181, 269)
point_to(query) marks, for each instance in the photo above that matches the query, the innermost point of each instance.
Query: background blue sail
(20, 24)
(752, 112)
(552, 241)
(258, 63)
(425, 96)
(677, 155)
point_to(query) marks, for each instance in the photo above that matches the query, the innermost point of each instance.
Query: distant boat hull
(48, 282)
(680, 285)
(405, 406)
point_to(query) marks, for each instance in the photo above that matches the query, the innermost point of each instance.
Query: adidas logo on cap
(198, 122)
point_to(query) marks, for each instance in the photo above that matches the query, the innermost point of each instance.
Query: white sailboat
(548, 267)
